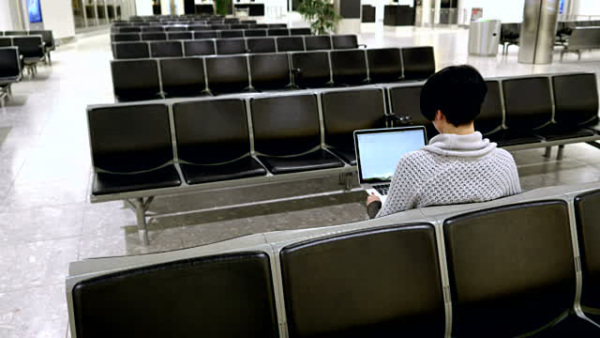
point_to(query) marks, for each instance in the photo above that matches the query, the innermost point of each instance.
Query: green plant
(221, 6)
(320, 14)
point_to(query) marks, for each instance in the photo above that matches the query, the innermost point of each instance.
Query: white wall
(143, 7)
(57, 16)
(586, 7)
(503, 10)
(6, 22)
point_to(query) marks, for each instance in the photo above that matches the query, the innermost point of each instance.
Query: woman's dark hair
(457, 91)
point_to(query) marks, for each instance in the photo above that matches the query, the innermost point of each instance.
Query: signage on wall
(476, 13)
(561, 7)
(35, 11)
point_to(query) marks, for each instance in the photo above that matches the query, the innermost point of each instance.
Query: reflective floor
(46, 220)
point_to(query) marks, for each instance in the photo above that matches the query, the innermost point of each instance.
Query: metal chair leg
(140, 212)
(560, 153)
(548, 152)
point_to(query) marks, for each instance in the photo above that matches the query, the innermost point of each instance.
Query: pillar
(538, 31)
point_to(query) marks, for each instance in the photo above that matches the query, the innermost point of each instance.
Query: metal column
(540, 18)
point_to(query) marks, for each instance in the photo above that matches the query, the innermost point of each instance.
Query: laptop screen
(379, 151)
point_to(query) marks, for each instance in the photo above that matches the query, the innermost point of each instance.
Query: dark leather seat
(198, 28)
(290, 44)
(344, 112)
(512, 272)
(130, 30)
(133, 154)
(125, 37)
(344, 41)
(287, 134)
(154, 36)
(198, 35)
(300, 31)
(270, 71)
(215, 151)
(418, 62)
(5, 42)
(232, 34)
(261, 45)
(311, 69)
(183, 77)
(278, 32)
(166, 49)
(176, 29)
(382, 282)
(491, 117)
(135, 80)
(31, 48)
(131, 50)
(587, 214)
(180, 36)
(220, 27)
(10, 68)
(226, 295)
(255, 32)
(405, 103)
(199, 47)
(317, 42)
(349, 67)
(153, 29)
(385, 65)
(227, 74)
(231, 46)
(276, 25)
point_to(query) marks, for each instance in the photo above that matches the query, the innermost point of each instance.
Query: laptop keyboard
(382, 188)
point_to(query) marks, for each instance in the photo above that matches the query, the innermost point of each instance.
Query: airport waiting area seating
(263, 138)
(525, 265)
(10, 71)
(228, 28)
(47, 37)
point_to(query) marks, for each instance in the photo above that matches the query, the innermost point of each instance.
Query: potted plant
(222, 6)
(320, 14)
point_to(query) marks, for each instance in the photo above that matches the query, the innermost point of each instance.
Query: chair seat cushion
(32, 60)
(110, 183)
(245, 167)
(348, 155)
(315, 160)
(557, 134)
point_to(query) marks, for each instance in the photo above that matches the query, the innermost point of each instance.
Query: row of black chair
(10, 71)
(47, 38)
(520, 266)
(135, 80)
(208, 34)
(196, 27)
(173, 48)
(32, 50)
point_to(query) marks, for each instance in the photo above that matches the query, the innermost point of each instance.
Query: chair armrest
(362, 45)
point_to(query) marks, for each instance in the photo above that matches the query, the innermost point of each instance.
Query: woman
(459, 165)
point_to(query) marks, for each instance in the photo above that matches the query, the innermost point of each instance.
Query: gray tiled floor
(46, 221)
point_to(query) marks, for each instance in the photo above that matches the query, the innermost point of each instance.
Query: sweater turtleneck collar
(470, 145)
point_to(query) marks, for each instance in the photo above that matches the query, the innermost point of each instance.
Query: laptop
(378, 152)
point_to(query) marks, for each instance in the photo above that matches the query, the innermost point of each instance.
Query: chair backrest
(47, 37)
(10, 64)
(199, 47)
(130, 138)
(29, 46)
(528, 103)
(5, 42)
(227, 74)
(491, 117)
(418, 63)
(575, 99)
(196, 28)
(131, 50)
(277, 25)
(261, 45)
(349, 67)
(220, 27)
(182, 77)
(232, 34)
(311, 69)
(300, 31)
(278, 32)
(511, 264)
(290, 44)
(386, 280)
(587, 214)
(255, 32)
(206, 35)
(180, 36)
(153, 29)
(344, 41)
(231, 46)
(269, 71)
(176, 29)
(15, 33)
(129, 30)
(405, 101)
(317, 42)
(385, 65)
(584, 38)
(135, 80)
(154, 36)
(125, 37)
(166, 49)
(345, 111)
(227, 295)
(285, 125)
(224, 138)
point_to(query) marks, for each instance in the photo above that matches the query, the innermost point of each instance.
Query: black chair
(218, 150)
(135, 80)
(15, 33)
(220, 27)
(300, 31)
(199, 47)
(32, 51)
(382, 282)
(131, 50)
(587, 207)
(490, 119)
(183, 77)
(278, 32)
(49, 43)
(231, 46)
(176, 29)
(10, 70)
(227, 74)
(344, 42)
(127, 37)
(154, 36)
(205, 35)
(405, 104)
(180, 36)
(153, 29)
(385, 65)
(131, 148)
(270, 71)
(317, 42)
(228, 34)
(349, 67)
(311, 69)
(166, 49)
(255, 32)
(345, 111)
(418, 63)
(5, 42)
(528, 106)
(512, 272)
(290, 44)
(233, 292)
(129, 30)
(198, 28)
(261, 26)
(276, 25)
(287, 134)
(261, 45)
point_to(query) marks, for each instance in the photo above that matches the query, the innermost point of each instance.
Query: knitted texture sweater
(452, 169)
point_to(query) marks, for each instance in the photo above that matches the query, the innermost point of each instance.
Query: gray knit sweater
(452, 169)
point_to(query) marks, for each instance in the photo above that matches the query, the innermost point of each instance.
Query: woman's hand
(372, 198)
